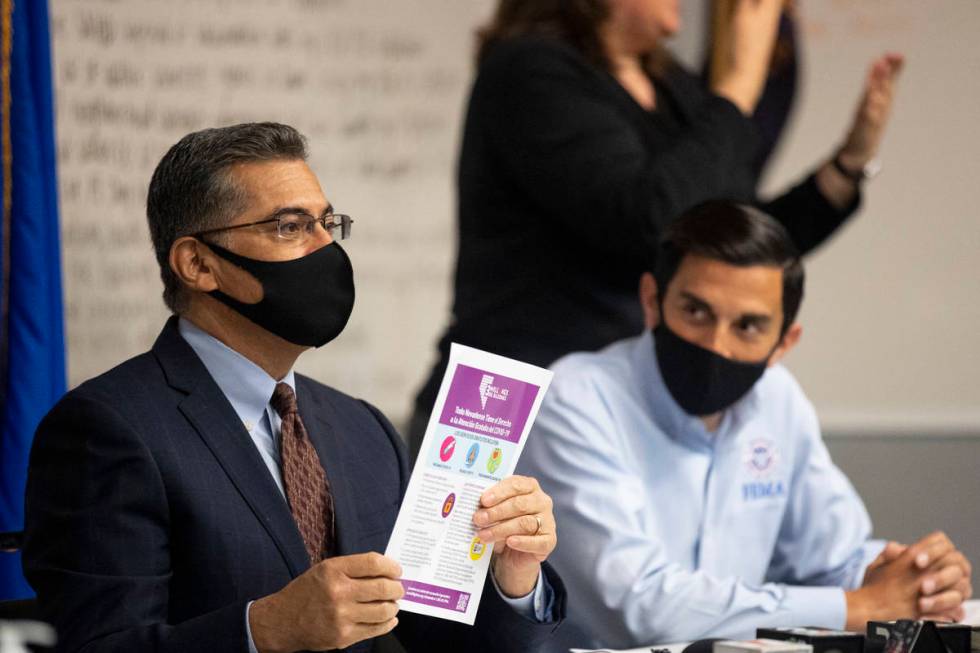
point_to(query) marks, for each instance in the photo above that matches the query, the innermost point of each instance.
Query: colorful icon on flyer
(472, 454)
(477, 549)
(495, 459)
(448, 504)
(447, 448)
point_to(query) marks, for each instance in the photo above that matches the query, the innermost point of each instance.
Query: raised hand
(744, 48)
(868, 127)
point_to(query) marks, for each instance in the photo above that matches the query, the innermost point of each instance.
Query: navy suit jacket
(151, 519)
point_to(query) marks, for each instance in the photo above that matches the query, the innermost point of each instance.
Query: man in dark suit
(202, 496)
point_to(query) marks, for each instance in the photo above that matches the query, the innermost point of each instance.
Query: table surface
(972, 618)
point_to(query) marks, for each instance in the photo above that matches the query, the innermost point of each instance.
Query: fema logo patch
(761, 459)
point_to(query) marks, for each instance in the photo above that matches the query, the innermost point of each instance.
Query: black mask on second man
(306, 301)
(701, 381)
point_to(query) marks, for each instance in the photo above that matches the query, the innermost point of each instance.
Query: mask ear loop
(661, 316)
(779, 343)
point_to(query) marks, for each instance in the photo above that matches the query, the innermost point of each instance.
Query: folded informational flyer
(476, 433)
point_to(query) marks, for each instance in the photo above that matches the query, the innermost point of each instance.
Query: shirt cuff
(823, 607)
(248, 630)
(537, 605)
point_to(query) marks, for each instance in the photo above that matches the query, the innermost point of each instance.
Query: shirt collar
(246, 385)
(669, 416)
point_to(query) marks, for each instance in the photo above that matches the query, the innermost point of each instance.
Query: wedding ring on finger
(538, 529)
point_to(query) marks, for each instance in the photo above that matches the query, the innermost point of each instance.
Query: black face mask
(306, 301)
(699, 380)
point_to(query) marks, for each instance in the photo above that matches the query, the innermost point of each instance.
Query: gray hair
(191, 190)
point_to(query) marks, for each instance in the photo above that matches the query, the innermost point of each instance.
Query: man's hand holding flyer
(484, 411)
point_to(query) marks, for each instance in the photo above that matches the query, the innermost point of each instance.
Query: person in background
(204, 497)
(695, 494)
(584, 139)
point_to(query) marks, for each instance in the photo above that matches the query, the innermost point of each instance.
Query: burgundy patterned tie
(307, 488)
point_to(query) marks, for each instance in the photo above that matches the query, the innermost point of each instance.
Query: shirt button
(248, 425)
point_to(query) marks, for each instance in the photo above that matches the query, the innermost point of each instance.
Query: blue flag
(32, 343)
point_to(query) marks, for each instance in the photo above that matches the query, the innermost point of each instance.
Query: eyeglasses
(296, 226)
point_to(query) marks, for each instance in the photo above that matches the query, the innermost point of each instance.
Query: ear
(193, 264)
(649, 296)
(790, 338)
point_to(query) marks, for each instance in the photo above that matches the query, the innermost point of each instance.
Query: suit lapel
(214, 419)
(319, 419)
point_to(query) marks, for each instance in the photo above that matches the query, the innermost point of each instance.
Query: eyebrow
(298, 210)
(694, 299)
(755, 318)
(760, 319)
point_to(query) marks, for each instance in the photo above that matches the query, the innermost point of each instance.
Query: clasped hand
(929, 579)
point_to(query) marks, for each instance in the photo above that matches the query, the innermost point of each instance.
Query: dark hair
(576, 22)
(735, 234)
(192, 190)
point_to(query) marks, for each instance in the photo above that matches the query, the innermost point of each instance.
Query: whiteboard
(892, 307)
(378, 88)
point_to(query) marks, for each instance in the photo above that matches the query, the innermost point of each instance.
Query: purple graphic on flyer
(488, 404)
(440, 597)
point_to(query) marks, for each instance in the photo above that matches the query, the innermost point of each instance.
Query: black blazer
(565, 185)
(151, 519)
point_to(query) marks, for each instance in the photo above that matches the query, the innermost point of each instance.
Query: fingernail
(488, 496)
(929, 586)
(922, 559)
(926, 605)
(480, 517)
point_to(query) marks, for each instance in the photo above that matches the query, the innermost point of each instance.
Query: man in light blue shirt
(694, 493)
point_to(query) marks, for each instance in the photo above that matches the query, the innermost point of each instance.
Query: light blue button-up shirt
(249, 389)
(667, 532)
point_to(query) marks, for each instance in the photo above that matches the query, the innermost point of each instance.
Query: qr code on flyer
(462, 602)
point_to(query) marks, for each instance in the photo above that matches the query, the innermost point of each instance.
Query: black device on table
(823, 640)
(905, 636)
